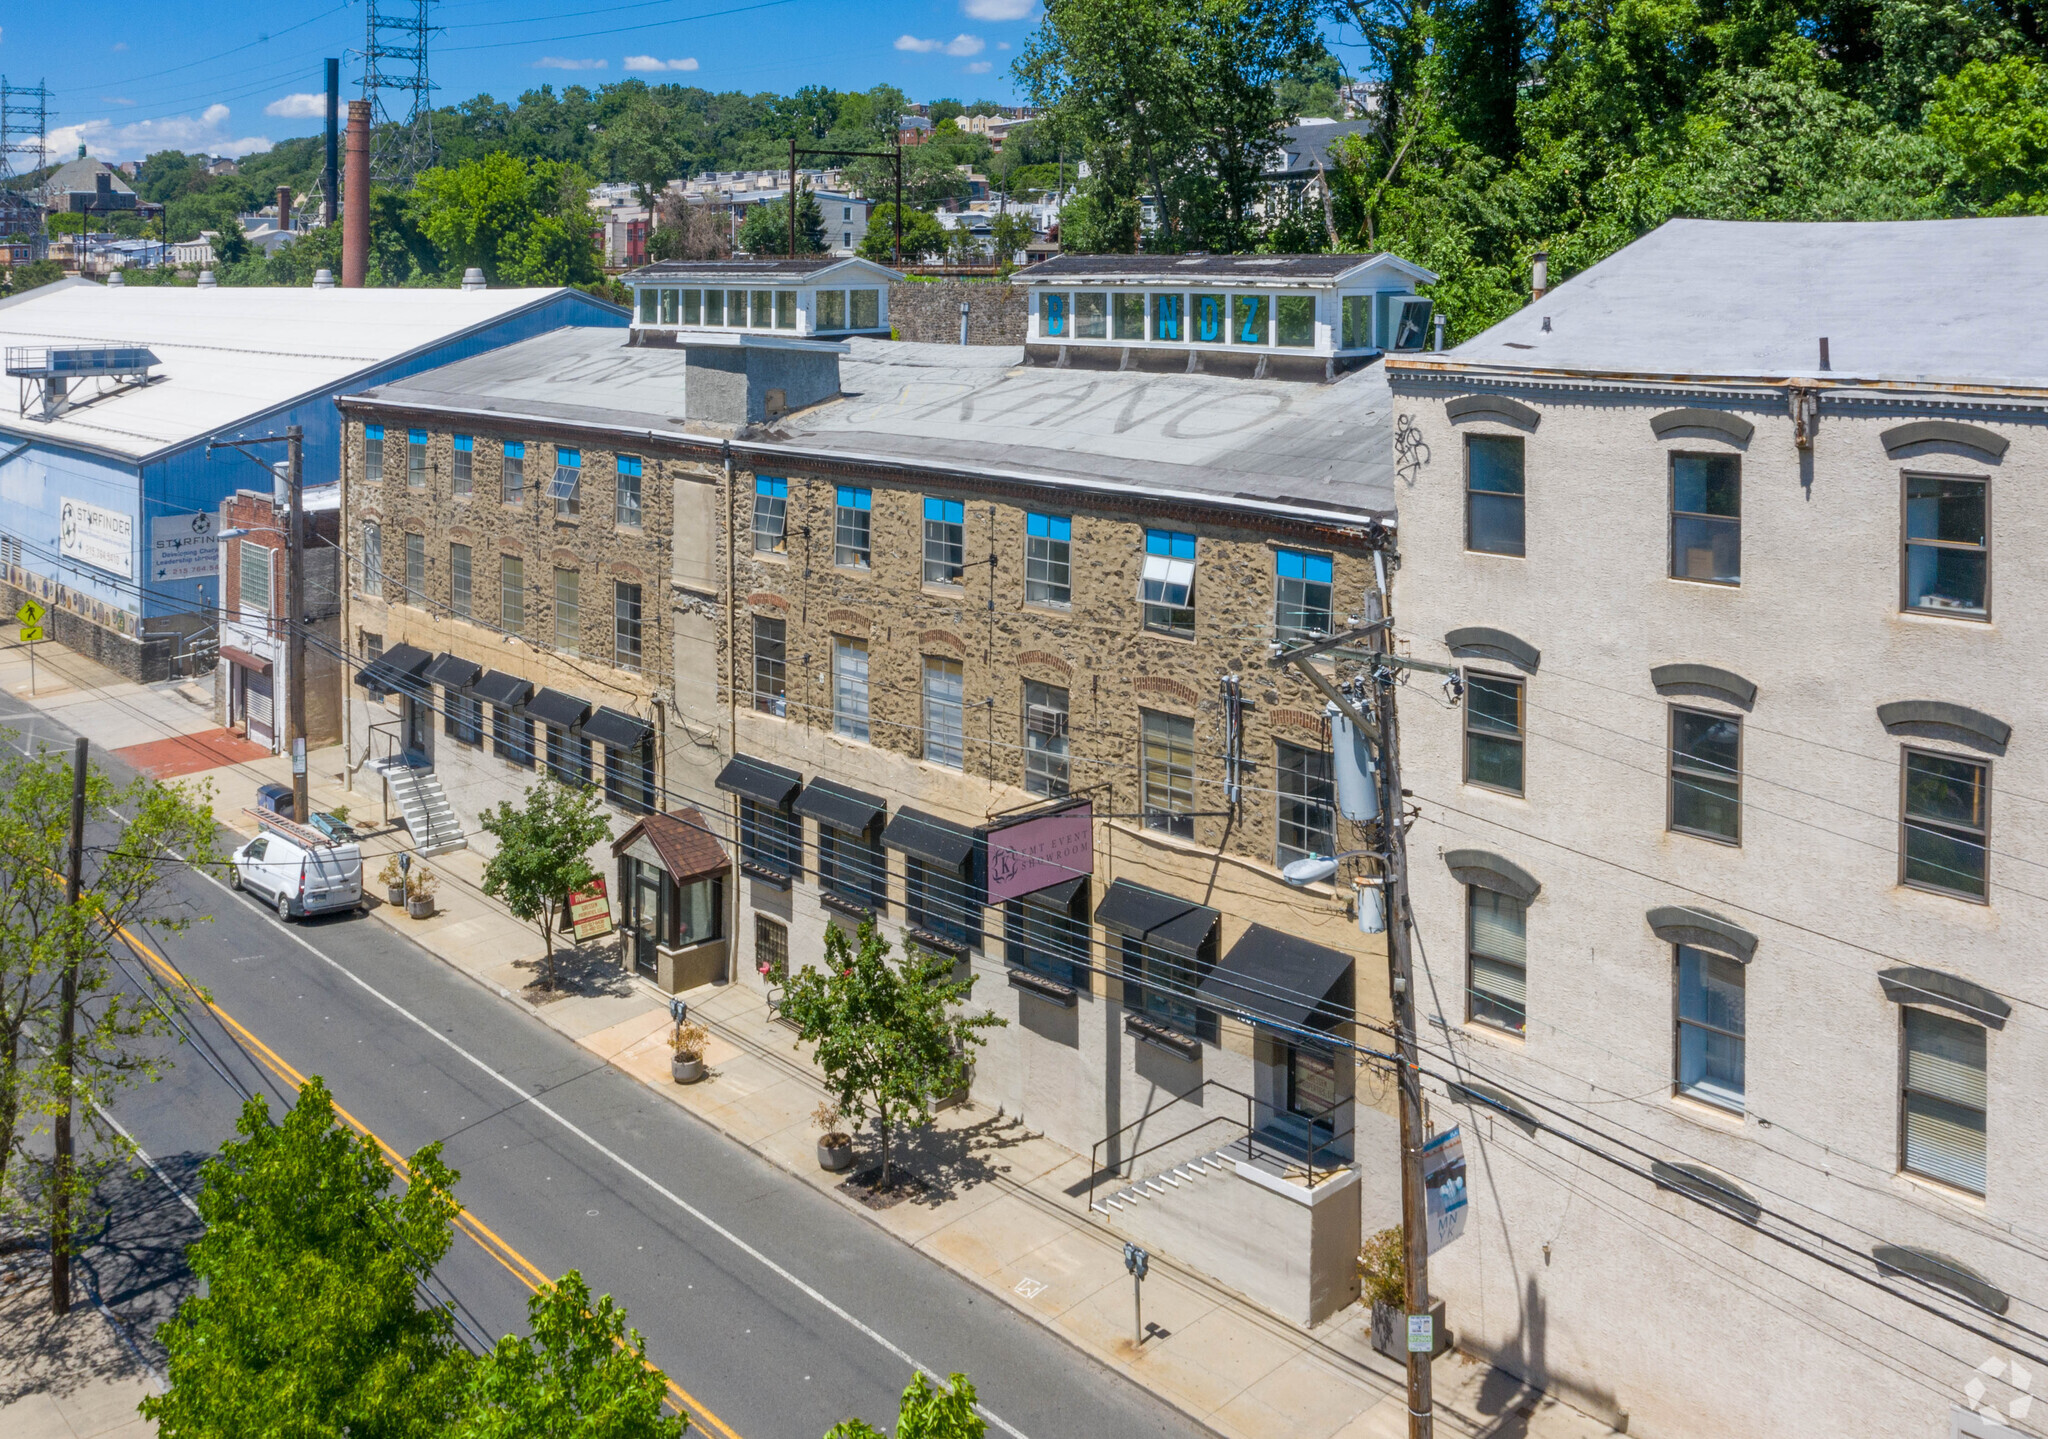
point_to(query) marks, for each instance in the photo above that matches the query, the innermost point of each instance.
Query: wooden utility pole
(295, 621)
(67, 1024)
(1401, 978)
(792, 199)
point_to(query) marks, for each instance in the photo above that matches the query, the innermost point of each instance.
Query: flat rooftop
(1210, 269)
(1751, 300)
(228, 355)
(1281, 444)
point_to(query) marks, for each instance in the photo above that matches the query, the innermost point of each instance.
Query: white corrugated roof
(228, 354)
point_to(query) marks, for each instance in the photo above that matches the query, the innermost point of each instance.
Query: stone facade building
(1726, 871)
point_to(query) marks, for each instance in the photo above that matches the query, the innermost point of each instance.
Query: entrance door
(644, 906)
(1311, 1084)
(417, 728)
(261, 708)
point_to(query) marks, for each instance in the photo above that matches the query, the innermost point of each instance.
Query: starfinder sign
(1037, 853)
(103, 538)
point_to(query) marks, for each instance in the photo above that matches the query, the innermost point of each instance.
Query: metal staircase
(1190, 1172)
(428, 816)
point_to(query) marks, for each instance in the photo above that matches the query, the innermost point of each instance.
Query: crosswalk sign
(31, 633)
(30, 613)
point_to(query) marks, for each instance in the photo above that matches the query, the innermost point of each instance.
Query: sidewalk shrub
(540, 856)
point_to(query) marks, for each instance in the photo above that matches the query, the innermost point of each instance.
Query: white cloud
(1002, 44)
(302, 106)
(649, 62)
(205, 132)
(998, 9)
(115, 100)
(979, 67)
(558, 62)
(958, 45)
(119, 46)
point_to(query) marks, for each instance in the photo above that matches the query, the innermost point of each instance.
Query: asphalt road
(777, 1309)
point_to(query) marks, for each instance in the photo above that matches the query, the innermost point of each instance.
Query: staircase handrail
(1251, 1106)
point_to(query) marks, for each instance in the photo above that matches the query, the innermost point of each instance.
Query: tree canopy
(540, 858)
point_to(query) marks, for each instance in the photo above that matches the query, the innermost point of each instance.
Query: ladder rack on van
(303, 835)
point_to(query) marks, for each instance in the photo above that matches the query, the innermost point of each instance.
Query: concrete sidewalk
(69, 1378)
(1001, 1206)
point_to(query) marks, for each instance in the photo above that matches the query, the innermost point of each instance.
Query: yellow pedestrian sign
(30, 616)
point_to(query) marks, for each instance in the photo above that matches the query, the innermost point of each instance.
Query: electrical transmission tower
(395, 65)
(24, 128)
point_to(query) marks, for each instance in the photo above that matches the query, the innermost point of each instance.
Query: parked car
(298, 876)
(276, 799)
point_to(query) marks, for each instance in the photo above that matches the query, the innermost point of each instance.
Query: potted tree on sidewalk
(888, 1038)
(540, 859)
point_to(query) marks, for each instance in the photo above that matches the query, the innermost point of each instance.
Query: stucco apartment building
(1727, 877)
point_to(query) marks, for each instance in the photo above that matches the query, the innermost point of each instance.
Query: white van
(298, 869)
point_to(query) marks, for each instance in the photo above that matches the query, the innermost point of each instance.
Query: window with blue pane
(464, 456)
(1250, 316)
(626, 504)
(1211, 318)
(1048, 559)
(1301, 596)
(567, 488)
(1168, 317)
(373, 453)
(945, 541)
(1710, 1027)
(1168, 586)
(1052, 317)
(512, 481)
(852, 529)
(416, 459)
(771, 516)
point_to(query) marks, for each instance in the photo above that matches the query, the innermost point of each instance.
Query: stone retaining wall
(929, 312)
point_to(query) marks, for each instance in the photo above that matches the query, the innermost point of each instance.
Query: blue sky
(230, 78)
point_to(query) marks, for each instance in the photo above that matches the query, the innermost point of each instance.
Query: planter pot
(687, 1068)
(1390, 1331)
(835, 1157)
(422, 908)
(394, 895)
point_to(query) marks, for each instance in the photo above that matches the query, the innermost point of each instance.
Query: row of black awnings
(1267, 977)
(409, 670)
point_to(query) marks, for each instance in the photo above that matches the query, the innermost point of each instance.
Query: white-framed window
(1166, 772)
(771, 681)
(463, 480)
(258, 601)
(850, 687)
(1944, 1100)
(1048, 559)
(771, 515)
(512, 476)
(373, 454)
(1046, 764)
(373, 558)
(415, 459)
(1307, 803)
(626, 638)
(459, 581)
(1302, 586)
(853, 529)
(512, 594)
(416, 569)
(944, 728)
(1169, 582)
(945, 541)
(1712, 1027)
(626, 501)
(568, 611)
(567, 489)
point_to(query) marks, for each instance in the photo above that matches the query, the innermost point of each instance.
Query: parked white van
(297, 869)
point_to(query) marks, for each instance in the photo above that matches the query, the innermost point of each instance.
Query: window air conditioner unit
(1407, 326)
(1045, 720)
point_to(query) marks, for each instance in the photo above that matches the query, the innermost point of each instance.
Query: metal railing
(1318, 1143)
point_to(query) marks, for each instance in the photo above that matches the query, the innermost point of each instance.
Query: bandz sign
(1038, 853)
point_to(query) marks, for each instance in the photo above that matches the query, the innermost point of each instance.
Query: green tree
(520, 222)
(924, 237)
(19, 279)
(1993, 119)
(886, 1035)
(581, 1375)
(63, 222)
(124, 883)
(646, 146)
(926, 1412)
(765, 231)
(307, 1324)
(540, 857)
(1009, 234)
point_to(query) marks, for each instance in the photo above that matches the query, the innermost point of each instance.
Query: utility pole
(1401, 979)
(295, 620)
(67, 1024)
(792, 198)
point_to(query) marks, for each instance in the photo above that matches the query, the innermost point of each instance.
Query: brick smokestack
(355, 218)
(284, 207)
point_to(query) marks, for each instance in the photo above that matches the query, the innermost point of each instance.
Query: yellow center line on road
(485, 1239)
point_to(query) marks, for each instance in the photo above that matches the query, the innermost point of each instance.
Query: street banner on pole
(1443, 1186)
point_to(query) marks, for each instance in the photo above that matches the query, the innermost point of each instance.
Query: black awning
(1058, 896)
(552, 707)
(376, 675)
(453, 671)
(929, 837)
(616, 729)
(1277, 978)
(771, 784)
(499, 688)
(839, 806)
(1162, 919)
(407, 660)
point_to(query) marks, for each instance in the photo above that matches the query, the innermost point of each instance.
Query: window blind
(1945, 1100)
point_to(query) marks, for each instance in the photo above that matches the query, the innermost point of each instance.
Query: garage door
(261, 709)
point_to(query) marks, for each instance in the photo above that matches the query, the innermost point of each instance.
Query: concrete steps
(429, 818)
(1193, 1171)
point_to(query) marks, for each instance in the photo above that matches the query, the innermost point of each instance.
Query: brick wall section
(929, 313)
(1098, 649)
